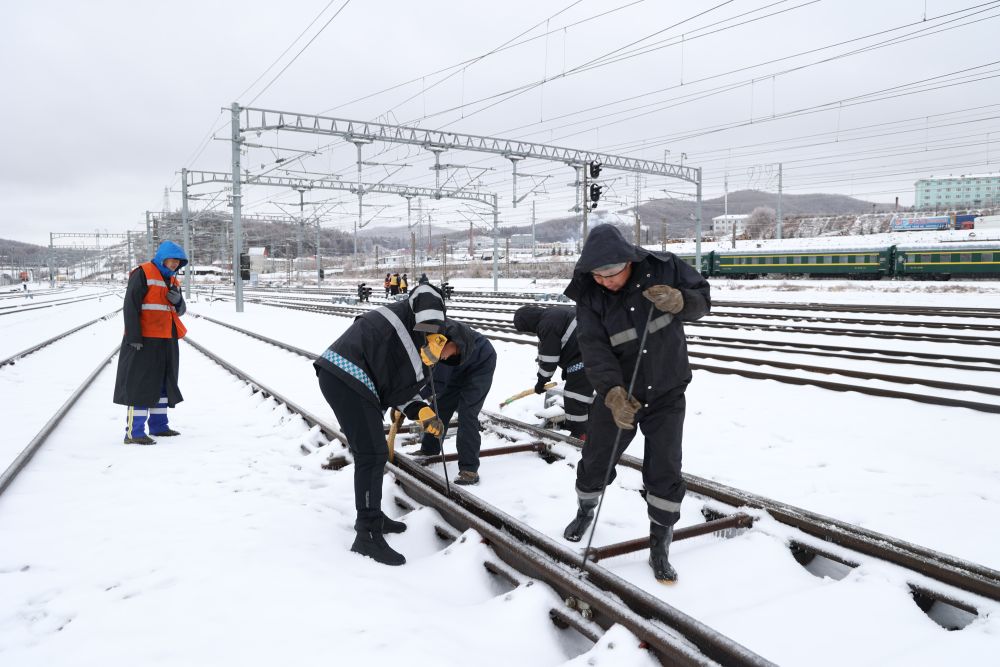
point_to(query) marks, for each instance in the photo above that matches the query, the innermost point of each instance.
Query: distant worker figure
(394, 284)
(376, 364)
(623, 293)
(462, 382)
(387, 277)
(402, 283)
(423, 279)
(558, 347)
(149, 360)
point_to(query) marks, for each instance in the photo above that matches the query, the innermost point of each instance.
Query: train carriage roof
(949, 247)
(802, 251)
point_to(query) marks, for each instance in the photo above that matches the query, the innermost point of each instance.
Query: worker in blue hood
(149, 359)
(630, 305)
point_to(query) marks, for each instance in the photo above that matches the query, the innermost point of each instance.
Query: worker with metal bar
(462, 381)
(558, 348)
(376, 364)
(630, 303)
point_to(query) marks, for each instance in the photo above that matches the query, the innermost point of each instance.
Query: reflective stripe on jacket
(158, 317)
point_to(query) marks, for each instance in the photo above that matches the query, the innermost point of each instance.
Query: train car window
(966, 257)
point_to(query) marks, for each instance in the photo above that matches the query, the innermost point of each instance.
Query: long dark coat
(142, 373)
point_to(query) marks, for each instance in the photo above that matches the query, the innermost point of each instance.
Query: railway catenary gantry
(362, 133)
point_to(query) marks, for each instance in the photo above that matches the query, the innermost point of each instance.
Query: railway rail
(941, 567)
(928, 398)
(597, 598)
(14, 358)
(735, 320)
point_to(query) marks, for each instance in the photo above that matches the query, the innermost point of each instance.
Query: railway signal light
(595, 194)
(595, 168)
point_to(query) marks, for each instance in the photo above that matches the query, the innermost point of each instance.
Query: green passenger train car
(937, 262)
(706, 261)
(871, 263)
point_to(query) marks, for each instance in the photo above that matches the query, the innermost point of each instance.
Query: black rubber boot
(391, 525)
(578, 526)
(659, 552)
(371, 543)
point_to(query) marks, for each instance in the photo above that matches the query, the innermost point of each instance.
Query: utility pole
(507, 257)
(413, 252)
(533, 232)
(187, 233)
(444, 259)
(319, 256)
(237, 210)
(663, 234)
(496, 246)
(731, 223)
(779, 201)
(586, 202)
(638, 229)
(52, 277)
(697, 242)
(299, 231)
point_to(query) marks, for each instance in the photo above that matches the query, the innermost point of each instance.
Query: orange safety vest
(157, 313)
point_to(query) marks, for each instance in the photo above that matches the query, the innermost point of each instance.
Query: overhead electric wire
(301, 51)
(694, 96)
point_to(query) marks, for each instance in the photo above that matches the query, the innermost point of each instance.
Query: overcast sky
(107, 100)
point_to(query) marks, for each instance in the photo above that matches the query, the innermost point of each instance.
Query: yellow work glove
(431, 352)
(429, 422)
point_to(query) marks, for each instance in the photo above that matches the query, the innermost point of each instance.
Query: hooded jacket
(556, 331)
(610, 324)
(475, 355)
(379, 355)
(143, 373)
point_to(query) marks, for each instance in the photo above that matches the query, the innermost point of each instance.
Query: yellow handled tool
(522, 394)
(397, 420)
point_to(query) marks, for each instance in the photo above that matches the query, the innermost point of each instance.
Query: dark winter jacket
(610, 324)
(476, 355)
(143, 373)
(379, 355)
(556, 331)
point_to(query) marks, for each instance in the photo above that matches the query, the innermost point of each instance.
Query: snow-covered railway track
(24, 308)
(954, 593)
(45, 343)
(857, 328)
(600, 598)
(943, 568)
(737, 366)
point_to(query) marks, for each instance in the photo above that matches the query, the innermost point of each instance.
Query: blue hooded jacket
(169, 250)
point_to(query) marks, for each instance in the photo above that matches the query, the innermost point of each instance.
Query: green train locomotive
(926, 262)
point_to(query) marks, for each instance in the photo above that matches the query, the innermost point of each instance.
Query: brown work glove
(622, 407)
(665, 298)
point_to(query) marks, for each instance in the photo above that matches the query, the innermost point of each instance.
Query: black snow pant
(361, 422)
(465, 391)
(662, 424)
(578, 394)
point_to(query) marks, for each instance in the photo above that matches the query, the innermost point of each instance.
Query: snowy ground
(227, 546)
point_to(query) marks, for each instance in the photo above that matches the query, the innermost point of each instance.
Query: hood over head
(605, 245)
(460, 334)
(427, 303)
(526, 318)
(169, 250)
